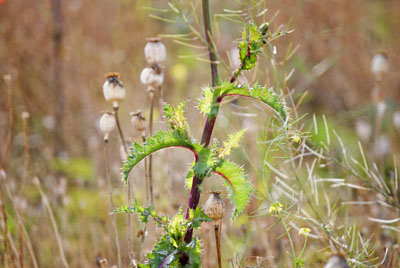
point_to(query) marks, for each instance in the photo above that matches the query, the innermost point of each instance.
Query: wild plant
(178, 247)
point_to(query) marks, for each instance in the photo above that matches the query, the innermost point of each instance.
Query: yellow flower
(304, 231)
(275, 208)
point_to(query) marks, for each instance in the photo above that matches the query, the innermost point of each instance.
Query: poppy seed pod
(154, 51)
(107, 124)
(215, 206)
(396, 120)
(113, 89)
(150, 77)
(138, 121)
(379, 65)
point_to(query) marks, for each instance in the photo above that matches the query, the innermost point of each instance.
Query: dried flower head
(138, 121)
(151, 77)
(25, 115)
(379, 65)
(107, 124)
(155, 51)
(215, 206)
(363, 130)
(113, 89)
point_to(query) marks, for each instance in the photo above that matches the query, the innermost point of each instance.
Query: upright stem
(217, 230)
(112, 206)
(121, 134)
(210, 122)
(58, 34)
(151, 95)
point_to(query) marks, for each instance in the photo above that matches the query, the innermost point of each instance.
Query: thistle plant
(178, 247)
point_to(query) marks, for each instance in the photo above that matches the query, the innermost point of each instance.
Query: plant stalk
(112, 205)
(210, 122)
(150, 173)
(217, 230)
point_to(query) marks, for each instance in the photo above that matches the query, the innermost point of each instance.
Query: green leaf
(197, 216)
(206, 102)
(160, 140)
(176, 117)
(250, 47)
(257, 92)
(239, 188)
(231, 143)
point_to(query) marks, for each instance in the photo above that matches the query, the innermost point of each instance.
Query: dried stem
(26, 147)
(53, 221)
(146, 174)
(112, 205)
(121, 134)
(217, 230)
(210, 122)
(7, 79)
(151, 95)
(58, 34)
(128, 185)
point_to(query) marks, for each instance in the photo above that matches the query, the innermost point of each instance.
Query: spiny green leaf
(258, 92)
(250, 47)
(207, 104)
(239, 188)
(231, 143)
(160, 140)
(176, 117)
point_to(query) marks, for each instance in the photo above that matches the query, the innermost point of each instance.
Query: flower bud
(215, 206)
(113, 89)
(379, 65)
(107, 124)
(138, 121)
(154, 51)
(150, 77)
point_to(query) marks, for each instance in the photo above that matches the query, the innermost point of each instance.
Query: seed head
(25, 115)
(215, 206)
(149, 76)
(107, 124)
(379, 65)
(138, 121)
(113, 89)
(155, 51)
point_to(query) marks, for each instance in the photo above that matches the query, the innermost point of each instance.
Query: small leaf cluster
(171, 250)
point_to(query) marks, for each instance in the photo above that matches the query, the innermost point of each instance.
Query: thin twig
(121, 134)
(112, 205)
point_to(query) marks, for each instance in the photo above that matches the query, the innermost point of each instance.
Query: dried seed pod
(150, 77)
(379, 65)
(107, 124)
(138, 121)
(215, 206)
(155, 51)
(337, 261)
(363, 130)
(113, 89)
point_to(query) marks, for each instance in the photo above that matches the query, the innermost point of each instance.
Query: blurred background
(56, 54)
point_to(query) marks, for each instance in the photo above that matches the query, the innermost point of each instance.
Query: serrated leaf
(159, 141)
(176, 117)
(250, 47)
(231, 143)
(239, 188)
(205, 103)
(258, 92)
